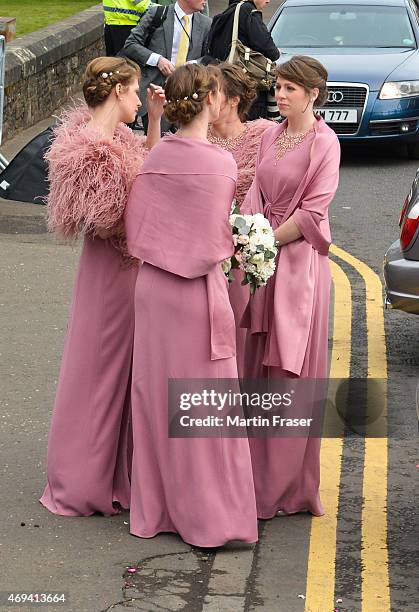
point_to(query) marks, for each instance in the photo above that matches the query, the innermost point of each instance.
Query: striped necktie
(183, 42)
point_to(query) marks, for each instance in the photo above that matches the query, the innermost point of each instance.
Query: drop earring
(311, 101)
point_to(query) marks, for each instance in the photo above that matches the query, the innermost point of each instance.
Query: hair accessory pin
(195, 96)
(105, 75)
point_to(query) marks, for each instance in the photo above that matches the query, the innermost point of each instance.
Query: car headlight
(400, 89)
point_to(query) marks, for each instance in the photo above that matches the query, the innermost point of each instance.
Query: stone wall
(45, 68)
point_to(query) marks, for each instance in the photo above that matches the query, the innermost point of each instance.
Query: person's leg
(109, 41)
(259, 108)
(144, 119)
(115, 37)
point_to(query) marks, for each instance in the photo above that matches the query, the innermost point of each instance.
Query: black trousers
(115, 37)
(259, 108)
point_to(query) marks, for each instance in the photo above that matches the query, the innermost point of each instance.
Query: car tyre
(413, 150)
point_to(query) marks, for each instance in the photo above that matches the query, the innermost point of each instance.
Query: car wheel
(413, 151)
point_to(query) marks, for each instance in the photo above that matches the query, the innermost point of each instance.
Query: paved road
(87, 557)
(299, 563)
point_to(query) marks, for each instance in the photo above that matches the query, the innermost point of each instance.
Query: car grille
(346, 96)
(353, 97)
(390, 128)
(344, 129)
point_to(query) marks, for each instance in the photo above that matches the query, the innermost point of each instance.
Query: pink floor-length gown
(88, 451)
(90, 441)
(176, 220)
(287, 470)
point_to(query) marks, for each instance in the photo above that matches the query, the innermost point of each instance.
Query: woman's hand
(155, 101)
(287, 232)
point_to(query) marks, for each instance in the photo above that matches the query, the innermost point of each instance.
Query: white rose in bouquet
(260, 221)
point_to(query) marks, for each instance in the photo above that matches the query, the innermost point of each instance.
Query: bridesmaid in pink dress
(297, 175)
(177, 224)
(233, 133)
(92, 164)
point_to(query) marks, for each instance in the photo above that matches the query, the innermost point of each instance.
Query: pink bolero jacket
(302, 265)
(90, 177)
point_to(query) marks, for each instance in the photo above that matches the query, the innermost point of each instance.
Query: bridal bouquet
(255, 250)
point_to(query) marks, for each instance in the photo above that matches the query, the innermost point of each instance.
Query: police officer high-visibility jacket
(124, 12)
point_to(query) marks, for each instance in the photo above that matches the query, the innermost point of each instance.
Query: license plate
(338, 115)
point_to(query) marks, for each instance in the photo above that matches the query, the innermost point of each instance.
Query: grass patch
(32, 15)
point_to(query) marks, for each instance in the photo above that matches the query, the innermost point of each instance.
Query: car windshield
(344, 26)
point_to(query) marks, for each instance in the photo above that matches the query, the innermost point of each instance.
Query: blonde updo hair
(236, 83)
(103, 73)
(307, 72)
(186, 90)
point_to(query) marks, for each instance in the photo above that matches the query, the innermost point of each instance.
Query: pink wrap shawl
(177, 220)
(299, 264)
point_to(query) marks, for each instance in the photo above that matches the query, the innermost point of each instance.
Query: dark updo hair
(235, 82)
(307, 72)
(186, 90)
(103, 73)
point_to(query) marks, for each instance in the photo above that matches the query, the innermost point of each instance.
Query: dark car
(401, 262)
(370, 50)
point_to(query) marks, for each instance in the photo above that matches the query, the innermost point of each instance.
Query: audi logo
(335, 96)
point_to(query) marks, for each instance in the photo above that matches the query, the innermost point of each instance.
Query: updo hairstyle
(307, 72)
(235, 82)
(103, 73)
(186, 90)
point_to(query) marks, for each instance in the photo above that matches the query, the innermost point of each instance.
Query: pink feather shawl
(245, 156)
(90, 177)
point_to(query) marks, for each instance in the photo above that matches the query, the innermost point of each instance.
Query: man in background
(179, 37)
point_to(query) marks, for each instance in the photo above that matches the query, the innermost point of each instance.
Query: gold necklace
(286, 143)
(229, 144)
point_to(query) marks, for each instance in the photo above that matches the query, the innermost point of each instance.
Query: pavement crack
(170, 581)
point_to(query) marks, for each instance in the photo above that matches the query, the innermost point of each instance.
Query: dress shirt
(154, 58)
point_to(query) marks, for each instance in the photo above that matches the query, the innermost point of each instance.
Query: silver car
(401, 262)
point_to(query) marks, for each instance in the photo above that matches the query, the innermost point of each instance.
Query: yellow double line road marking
(374, 554)
(322, 554)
